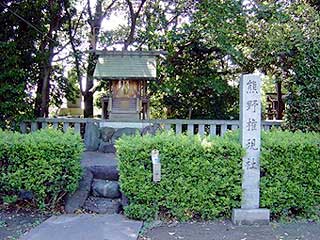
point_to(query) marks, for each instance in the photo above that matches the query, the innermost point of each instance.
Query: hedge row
(45, 163)
(290, 169)
(201, 178)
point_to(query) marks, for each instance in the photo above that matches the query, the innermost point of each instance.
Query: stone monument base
(250, 216)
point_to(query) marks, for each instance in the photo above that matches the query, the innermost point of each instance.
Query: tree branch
(133, 17)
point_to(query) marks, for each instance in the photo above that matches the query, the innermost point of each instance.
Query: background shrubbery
(290, 169)
(46, 163)
(200, 178)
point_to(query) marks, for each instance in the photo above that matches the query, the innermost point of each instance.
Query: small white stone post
(250, 137)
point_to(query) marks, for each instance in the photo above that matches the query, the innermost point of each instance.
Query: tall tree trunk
(88, 93)
(45, 91)
(280, 108)
(88, 104)
(37, 108)
(47, 51)
(43, 86)
(95, 25)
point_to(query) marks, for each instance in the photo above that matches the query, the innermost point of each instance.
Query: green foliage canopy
(284, 43)
(202, 63)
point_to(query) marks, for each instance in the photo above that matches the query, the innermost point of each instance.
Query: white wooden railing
(202, 127)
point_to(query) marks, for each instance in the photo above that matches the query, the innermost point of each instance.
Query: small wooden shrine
(274, 107)
(128, 74)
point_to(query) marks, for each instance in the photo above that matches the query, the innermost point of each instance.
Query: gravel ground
(15, 222)
(226, 230)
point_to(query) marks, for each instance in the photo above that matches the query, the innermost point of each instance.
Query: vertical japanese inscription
(250, 125)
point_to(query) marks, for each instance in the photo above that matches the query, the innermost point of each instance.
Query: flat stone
(106, 133)
(251, 216)
(124, 131)
(124, 200)
(76, 200)
(151, 129)
(90, 159)
(105, 188)
(107, 148)
(86, 226)
(92, 137)
(102, 205)
(105, 172)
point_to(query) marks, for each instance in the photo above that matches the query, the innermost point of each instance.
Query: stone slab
(91, 137)
(105, 172)
(121, 124)
(76, 200)
(84, 227)
(102, 205)
(251, 216)
(90, 159)
(107, 148)
(105, 189)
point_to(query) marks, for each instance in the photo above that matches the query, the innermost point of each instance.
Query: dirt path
(225, 230)
(14, 223)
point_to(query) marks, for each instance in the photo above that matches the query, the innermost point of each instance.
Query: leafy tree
(31, 38)
(50, 23)
(284, 44)
(144, 19)
(14, 99)
(202, 63)
(17, 62)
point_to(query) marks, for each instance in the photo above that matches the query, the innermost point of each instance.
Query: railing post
(190, 128)
(77, 127)
(34, 126)
(167, 126)
(55, 125)
(65, 126)
(178, 128)
(201, 129)
(213, 130)
(23, 127)
(234, 127)
(223, 129)
(44, 125)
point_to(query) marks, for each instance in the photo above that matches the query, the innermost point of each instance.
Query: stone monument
(250, 137)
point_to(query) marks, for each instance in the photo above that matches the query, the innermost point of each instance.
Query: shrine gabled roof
(126, 65)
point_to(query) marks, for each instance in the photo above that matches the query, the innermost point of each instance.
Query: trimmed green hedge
(290, 169)
(46, 162)
(201, 178)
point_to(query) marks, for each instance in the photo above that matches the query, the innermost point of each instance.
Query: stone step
(76, 200)
(102, 205)
(105, 172)
(124, 116)
(106, 147)
(85, 226)
(105, 188)
(124, 103)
